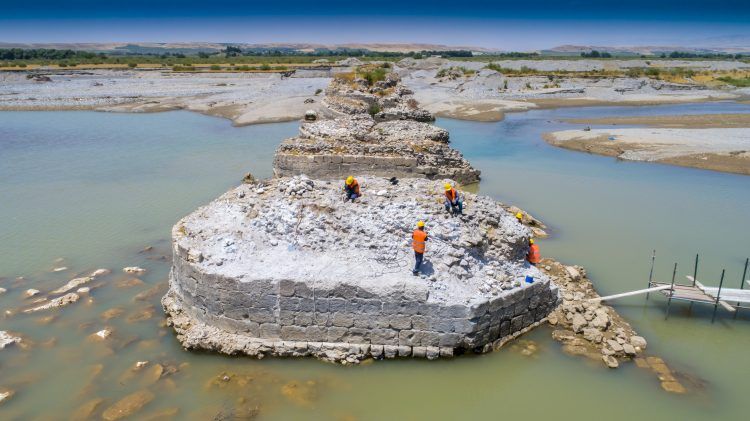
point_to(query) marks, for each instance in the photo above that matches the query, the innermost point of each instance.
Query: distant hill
(739, 44)
(570, 50)
(196, 47)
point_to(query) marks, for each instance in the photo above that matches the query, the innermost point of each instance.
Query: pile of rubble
(584, 325)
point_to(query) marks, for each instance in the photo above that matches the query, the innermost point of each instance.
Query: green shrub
(215, 67)
(374, 109)
(132, 65)
(738, 82)
(318, 91)
(265, 66)
(375, 75)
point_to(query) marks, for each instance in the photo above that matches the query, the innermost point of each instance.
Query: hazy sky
(515, 25)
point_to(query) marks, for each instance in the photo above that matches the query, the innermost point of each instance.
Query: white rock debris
(134, 270)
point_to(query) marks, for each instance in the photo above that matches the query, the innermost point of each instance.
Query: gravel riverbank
(720, 149)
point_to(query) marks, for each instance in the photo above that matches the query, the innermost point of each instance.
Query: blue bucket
(529, 279)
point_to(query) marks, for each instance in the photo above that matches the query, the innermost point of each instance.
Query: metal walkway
(731, 299)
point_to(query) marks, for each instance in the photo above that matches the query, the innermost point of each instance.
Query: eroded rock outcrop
(286, 267)
(375, 128)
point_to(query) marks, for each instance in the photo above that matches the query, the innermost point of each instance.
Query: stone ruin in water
(378, 130)
(286, 267)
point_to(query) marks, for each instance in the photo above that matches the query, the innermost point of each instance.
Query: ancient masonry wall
(327, 166)
(294, 318)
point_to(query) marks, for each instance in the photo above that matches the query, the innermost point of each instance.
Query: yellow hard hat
(519, 215)
(420, 224)
(349, 180)
(531, 241)
(448, 186)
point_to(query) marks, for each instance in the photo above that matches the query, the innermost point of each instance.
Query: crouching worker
(418, 241)
(453, 201)
(534, 256)
(351, 188)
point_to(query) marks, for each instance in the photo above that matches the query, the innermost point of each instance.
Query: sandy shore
(701, 121)
(719, 149)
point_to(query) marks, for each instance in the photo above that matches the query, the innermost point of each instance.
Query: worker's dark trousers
(418, 257)
(451, 207)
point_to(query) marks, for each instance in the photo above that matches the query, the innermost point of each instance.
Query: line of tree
(596, 54)
(686, 54)
(234, 51)
(47, 54)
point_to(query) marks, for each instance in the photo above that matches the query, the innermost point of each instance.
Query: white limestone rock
(62, 301)
(72, 284)
(6, 339)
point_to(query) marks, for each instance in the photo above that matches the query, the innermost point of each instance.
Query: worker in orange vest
(351, 188)
(534, 256)
(418, 241)
(453, 202)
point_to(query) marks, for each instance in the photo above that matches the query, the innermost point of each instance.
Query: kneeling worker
(453, 202)
(351, 188)
(534, 256)
(418, 241)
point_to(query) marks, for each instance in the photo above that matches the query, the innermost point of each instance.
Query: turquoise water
(96, 189)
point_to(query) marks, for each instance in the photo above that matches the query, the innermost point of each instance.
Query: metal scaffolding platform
(730, 299)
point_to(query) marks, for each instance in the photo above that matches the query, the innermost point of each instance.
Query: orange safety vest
(354, 187)
(534, 255)
(419, 238)
(451, 194)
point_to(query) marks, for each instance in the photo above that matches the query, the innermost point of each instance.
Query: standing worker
(418, 241)
(519, 216)
(534, 256)
(351, 188)
(453, 202)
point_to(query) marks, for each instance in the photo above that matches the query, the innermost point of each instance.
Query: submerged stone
(87, 410)
(6, 339)
(128, 405)
(72, 284)
(134, 270)
(63, 301)
(6, 394)
(280, 273)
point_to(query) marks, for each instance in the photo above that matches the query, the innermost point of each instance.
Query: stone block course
(255, 305)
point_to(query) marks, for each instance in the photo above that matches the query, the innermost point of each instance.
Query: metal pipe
(718, 295)
(695, 270)
(671, 291)
(651, 273)
(695, 278)
(742, 286)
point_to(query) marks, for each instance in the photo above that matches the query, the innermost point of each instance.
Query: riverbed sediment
(720, 149)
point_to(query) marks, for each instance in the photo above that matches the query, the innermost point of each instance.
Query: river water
(103, 190)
